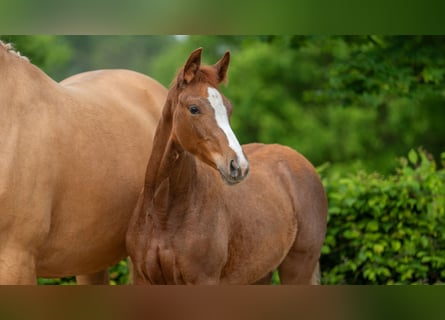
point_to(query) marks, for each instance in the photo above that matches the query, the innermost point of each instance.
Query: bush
(387, 230)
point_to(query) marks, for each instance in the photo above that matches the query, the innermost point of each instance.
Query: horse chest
(176, 253)
(167, 265)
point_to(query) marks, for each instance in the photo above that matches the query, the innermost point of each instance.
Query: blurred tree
(113, 52)
(402, 79)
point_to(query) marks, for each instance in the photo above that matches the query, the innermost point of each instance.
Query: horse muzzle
(234, 172)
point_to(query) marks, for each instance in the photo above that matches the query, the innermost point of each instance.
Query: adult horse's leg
(17, 266)
(100, 277)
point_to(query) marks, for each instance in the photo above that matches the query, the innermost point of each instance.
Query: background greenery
(352, 105)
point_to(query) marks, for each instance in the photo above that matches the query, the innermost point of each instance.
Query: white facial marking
(222, 120)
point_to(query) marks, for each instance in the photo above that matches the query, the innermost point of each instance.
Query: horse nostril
(235, 170)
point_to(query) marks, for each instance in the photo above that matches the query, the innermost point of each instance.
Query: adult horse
(198, 222)
(72, 162)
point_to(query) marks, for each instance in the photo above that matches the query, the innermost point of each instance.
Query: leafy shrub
(387, 230)
(120, 273)
(57, 281)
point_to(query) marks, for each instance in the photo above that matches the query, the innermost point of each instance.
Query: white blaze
(222, 120)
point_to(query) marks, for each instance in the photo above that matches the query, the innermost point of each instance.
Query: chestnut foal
(207, 215)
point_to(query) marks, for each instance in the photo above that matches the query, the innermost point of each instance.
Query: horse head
(201, 116)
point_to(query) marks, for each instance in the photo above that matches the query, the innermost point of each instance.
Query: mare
(73, 157)
(213, 212)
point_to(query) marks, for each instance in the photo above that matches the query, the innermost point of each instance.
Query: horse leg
(316, 274)
(17, 266)
(100, 277)
(300, 267)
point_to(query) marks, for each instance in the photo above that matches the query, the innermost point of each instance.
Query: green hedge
(387, 230)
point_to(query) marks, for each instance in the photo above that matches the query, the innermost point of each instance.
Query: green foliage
(276, 278)
(114, 52)
(57, 281)
(374, 69)
(120, 273)
(387, 230)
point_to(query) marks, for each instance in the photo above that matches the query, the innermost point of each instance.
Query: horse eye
(194, 109)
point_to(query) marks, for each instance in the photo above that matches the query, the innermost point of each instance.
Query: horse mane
(8, 47)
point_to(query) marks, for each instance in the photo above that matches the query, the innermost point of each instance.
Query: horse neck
(169, 164)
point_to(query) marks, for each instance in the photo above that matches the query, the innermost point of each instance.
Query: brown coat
(208, 216)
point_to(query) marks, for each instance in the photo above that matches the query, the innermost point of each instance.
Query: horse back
(293, 170)
(118, 86)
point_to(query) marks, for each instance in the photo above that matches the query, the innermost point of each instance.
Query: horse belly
(93, 202)
(87, 236)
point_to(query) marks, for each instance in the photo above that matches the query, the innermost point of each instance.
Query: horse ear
(192, 66)
(221, 67)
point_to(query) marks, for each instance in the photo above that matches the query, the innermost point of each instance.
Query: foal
(197, 221)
